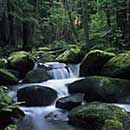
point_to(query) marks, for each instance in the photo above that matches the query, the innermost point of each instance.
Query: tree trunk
(85, 19)
(27, 34)
(108, 16)
(121, 18)
(71, 21)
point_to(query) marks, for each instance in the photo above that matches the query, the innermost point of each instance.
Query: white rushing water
(35, 119)
(61, 71)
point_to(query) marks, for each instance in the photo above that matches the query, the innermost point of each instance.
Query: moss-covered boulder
(73, 55)
(7, 78)
(98, 116)
(21, 61)
(98, 88)
(43, 56)
(36, 76)
(36, 95)
(94, 61)
(118, 66)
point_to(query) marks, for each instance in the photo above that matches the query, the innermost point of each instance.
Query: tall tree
(85, 19)
(69, 11)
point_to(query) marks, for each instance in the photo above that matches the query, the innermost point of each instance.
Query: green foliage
(11, 127)
(7, 78)
(61, 23)
(72, 55)
(6, 100)
(43, 56)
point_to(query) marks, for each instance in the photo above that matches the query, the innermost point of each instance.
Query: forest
(65, 64)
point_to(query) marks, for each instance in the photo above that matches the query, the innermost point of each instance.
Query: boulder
(118, 66)
(69, 102)
(73, 56)
(94, 61)
(37, 95)
(21, 61)
(43, 56)
(36, 76)
(98, 116)
(98, 88)
(7, 78)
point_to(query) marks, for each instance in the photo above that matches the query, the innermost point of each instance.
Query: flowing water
(61, 71)
(50, 117)
(37, 118)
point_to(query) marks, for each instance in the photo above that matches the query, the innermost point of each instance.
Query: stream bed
(50, 117)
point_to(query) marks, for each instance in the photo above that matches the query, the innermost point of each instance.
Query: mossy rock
(113, 125)
(73, 56)
(94, 61)
(36, 76)
(99, 88)
(3, 63)
(43, 56)
(21, 61)
(7, 78)
(118, 67)
(98, 116)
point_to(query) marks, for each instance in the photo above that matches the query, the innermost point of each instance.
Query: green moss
(18, 56)
(94, 61)
(118, 66)
(113, 125)
(43, 56)
(7, 78)
(105, 89)
(98, 116)
(21, 61)
(73, 55)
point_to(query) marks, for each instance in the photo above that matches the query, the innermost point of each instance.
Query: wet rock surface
(70, 102)
(37, 95)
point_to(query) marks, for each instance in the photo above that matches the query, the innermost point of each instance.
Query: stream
(50, 117)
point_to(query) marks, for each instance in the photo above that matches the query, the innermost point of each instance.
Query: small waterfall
(74, 68)
(61, 71)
